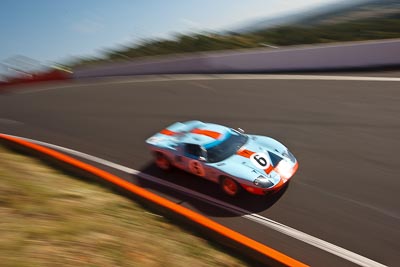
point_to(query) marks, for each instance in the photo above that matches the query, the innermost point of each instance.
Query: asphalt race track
(345, 134)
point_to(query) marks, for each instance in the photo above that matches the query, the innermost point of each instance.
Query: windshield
(227, 148)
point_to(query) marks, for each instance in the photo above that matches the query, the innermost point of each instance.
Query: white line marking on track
(289, 231)
(190, 77)
(198, 77)
(9, 121)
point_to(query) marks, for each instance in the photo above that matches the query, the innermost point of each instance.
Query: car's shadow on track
(189, 190)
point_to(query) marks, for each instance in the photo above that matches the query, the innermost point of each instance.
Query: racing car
(229, 157)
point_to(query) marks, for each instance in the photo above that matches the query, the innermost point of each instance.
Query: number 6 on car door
(260, 160)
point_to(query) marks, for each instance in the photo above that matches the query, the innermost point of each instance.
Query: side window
(192, 150)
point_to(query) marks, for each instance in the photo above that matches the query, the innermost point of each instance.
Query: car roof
(206, 135)
(192, 132)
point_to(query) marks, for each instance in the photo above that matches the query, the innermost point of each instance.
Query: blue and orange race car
(226, 156)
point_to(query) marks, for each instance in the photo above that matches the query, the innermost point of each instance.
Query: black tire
(229, 186)
(162, 162)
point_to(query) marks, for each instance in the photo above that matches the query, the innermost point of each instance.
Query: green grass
(48, 218)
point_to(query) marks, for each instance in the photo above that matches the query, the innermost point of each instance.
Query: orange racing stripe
(168, 132)
(191, 215)
(208, 133)
(245, 153)
(269, 169)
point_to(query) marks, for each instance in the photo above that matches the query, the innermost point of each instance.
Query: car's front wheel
(162, 161)
(229, 186)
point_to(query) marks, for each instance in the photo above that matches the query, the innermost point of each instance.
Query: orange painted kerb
(194, 216)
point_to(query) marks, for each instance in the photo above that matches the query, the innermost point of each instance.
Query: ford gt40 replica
(234, 160)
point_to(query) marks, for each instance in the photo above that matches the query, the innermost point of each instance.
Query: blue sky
(56, 30)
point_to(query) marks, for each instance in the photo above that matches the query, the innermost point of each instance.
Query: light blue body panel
(242, 168)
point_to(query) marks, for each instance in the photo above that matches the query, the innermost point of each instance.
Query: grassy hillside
(385, 26)
(50, 219)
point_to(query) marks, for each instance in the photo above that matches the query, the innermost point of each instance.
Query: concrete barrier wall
(313, 57)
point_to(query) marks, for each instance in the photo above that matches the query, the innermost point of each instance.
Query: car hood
(260, 156)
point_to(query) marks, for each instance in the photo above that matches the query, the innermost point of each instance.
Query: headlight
(263, 182)
(289, 155)
(284, 168)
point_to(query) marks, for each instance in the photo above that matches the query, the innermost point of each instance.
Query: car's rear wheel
(229, 186)
(162, 162)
